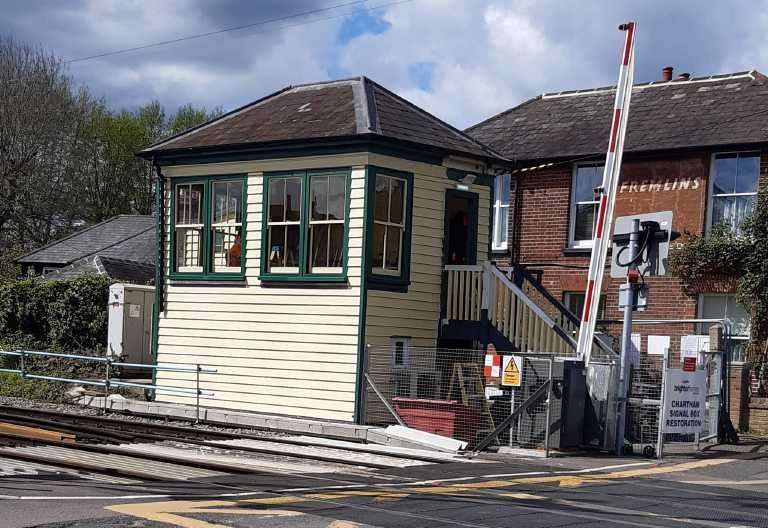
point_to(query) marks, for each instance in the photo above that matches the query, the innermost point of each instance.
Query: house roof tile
(336, 109)
(706, 111)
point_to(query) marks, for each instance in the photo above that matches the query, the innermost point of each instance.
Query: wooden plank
(35, 433)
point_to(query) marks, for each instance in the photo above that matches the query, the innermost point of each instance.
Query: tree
(66, 158)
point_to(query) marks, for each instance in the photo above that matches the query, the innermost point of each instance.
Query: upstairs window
(389, 224)
(389, 211)
(584, 204)
(733, 190)
(207, 236)
(501, 191)
(305, 226)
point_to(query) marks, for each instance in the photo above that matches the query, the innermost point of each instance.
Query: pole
(549, 404)
(197, 394)
(626, 338)
(107, 374)
(660, 437)
(607, 196)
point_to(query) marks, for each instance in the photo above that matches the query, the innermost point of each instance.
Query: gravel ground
(129, 418)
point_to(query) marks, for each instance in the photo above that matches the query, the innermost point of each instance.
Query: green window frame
(207, 217)
(381, 223)
(300, 234)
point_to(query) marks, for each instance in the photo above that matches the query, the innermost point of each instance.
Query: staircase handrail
(520, 294)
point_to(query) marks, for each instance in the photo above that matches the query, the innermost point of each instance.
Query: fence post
(197, 393)
(549, 405)
(107, 374)
(23, 364)
(660, 432)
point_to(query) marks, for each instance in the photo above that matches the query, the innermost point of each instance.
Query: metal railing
(108, 381)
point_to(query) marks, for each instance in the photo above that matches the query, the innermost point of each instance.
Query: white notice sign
(693, 345)
(134, 310)
(657, 345)
(684, 399)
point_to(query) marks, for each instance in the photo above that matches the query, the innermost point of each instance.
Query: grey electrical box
(657, 251)
(626, 300)
(129, 329)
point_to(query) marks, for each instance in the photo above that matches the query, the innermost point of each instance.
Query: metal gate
(646, 396)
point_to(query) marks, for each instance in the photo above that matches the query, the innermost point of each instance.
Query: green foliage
(700, 257)
(67, 315)
(13, 385)
(753, 283)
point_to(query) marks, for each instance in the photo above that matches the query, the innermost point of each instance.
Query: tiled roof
(336, 109)
(700, 112)
(130, 237)
(117, 269)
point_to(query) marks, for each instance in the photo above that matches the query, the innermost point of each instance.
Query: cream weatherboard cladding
(416, 313)
(284, 350)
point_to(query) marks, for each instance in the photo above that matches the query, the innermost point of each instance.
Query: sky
(463, 60)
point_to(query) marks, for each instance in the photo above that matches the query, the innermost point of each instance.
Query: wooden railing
(464, 288)
(527, 315)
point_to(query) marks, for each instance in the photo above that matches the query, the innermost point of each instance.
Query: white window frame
(711, 186)
(383, 270)
(572, 206)
(342, 222)
(703, 329)
(186, 214)
(500, 241)
(226, 225)
(406, 343)
(285, 269)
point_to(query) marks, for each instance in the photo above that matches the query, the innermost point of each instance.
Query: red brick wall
(540, 226)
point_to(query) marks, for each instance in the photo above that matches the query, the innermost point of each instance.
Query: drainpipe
(159, 261)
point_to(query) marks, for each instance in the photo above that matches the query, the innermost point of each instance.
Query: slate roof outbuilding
(711, 111)
(117, 269)
(348, 108)
(126, 237)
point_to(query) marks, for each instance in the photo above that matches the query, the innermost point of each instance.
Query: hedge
(62, 316)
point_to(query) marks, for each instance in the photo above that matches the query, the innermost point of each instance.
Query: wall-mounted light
(462, 187)
(469, 179)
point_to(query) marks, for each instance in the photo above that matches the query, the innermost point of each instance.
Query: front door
(460, 239)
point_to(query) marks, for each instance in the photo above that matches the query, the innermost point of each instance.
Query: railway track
(161, 451)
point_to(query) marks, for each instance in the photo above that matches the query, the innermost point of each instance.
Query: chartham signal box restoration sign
(684, 400)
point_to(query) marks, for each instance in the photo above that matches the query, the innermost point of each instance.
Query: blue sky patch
(421, 74)
(361, 22)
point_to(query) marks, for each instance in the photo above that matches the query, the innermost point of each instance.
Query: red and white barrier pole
(607, 194)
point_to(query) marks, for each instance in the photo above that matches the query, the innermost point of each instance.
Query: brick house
(695, 146)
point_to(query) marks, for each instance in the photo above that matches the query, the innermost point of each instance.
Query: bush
(702, 260)
(63, 316)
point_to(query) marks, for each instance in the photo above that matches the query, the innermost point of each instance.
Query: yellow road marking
(168, 511)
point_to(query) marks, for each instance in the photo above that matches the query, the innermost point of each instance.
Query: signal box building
(695, 146)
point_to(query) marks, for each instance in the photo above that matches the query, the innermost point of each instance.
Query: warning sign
(512, 372)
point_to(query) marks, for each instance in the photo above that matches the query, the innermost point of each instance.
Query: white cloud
(487, 55)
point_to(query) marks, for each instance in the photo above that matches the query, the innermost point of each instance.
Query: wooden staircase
(511, 310)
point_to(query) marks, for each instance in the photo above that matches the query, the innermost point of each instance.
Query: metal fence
(20, 364)
(447, 392)
(646, 393)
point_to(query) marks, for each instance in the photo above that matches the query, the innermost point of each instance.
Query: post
(549, 405)
(23, 366)
(660, 433)
(626, 337)
(107, 374)
(197, 393)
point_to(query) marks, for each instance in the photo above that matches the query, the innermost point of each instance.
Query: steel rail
(131, 427)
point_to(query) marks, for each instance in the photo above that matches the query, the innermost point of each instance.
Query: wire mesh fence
(457, 394)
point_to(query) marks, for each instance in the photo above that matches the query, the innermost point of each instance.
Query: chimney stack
(666, 73)
(684, 77)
